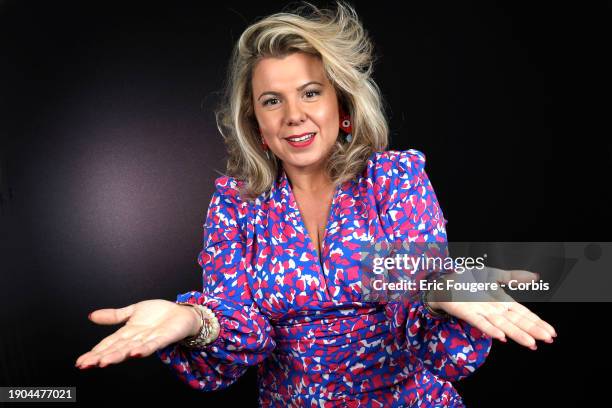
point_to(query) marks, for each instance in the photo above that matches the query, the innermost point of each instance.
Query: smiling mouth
(301, 138)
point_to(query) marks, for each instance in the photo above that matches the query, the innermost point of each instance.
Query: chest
(304, 259)
(314, 211)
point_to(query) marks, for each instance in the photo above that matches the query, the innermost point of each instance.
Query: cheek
(267, 124)
(332, 126)
(331, 116)
(325, 120)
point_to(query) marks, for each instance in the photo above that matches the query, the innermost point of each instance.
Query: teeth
(301, 139)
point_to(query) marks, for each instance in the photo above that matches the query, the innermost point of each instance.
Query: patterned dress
(301, 319)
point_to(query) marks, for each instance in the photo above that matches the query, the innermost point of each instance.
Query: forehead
(287, 72)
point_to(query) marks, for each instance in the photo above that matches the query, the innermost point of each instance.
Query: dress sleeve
(448, 346)
(246, 335)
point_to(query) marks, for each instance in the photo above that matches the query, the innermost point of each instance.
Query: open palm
(149, 326)
(496, 313)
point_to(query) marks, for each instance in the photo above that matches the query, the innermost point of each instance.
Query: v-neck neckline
(298, 214)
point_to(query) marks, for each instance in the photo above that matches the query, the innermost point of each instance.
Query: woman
(309, 180)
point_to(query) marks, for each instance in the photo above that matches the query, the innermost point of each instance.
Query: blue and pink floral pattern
(301, 319)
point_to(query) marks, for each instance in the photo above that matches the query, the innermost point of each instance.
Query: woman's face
(292, 96)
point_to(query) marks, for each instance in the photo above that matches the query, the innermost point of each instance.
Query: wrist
(432, 306)
(430, 302)
(208, 327)
(434, 297)
(196, 320)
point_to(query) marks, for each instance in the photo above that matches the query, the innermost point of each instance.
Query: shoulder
(397, 162)
(394, 173)
(405, 194)
(227, 196)
(227, 188)
(226, 208)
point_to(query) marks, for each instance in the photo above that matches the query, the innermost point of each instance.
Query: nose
(294, 114)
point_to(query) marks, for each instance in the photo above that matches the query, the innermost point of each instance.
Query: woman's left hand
(500, 315)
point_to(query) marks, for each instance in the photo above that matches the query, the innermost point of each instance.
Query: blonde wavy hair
(337, 37)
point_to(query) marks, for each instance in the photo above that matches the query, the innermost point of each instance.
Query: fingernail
(549, 341)
(503, 339)
(534, 347)
(89, 316)
(87, 367)
(554, 334)
(138, 355)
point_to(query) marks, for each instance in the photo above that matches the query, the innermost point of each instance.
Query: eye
(313, 91)
(266, 102)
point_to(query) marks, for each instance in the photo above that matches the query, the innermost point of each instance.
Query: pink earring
(345, 125)
(265, 146)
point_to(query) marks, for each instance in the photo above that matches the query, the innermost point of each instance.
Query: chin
(305, 159)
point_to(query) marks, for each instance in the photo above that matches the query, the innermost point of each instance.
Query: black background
(109, 151)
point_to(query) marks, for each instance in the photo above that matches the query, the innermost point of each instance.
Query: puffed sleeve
(246, 335)
(448, 346)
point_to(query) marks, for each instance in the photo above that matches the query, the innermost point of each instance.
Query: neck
(308, 180)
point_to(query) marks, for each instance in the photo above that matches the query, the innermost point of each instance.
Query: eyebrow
(298, 88)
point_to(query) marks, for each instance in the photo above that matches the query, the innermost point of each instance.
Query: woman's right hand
(149, 325)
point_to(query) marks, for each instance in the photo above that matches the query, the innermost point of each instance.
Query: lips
(302, 140)
(293, 137)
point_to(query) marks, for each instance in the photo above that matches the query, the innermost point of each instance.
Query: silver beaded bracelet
(209, 327)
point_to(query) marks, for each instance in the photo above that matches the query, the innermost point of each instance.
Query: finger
(94, 358)
(87, 357)
(129, 349)
(126, 348)
(110, 340)
(80, 359)
(121, 334)
(506, 275)
(118, 354)
(523, 310)
(476, 316)
(514, 332)
(523, 275)
(528, 325)
(112, 316)
(91, 357)
(480, 322)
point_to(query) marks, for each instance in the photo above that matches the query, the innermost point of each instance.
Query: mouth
(301, 141)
